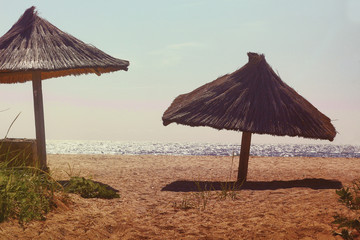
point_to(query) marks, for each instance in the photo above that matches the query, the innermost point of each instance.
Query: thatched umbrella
(34, 50)
(252, 99)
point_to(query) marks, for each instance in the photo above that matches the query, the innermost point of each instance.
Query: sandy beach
(285, 198)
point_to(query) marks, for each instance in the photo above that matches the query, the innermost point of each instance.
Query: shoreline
(147, 209)
(200, 149)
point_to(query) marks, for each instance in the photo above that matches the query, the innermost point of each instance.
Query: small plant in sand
(87, 188)
(184, 204)
(349, 225)
(27, 193)
(228, 190)
(201, 198)
(198, 200)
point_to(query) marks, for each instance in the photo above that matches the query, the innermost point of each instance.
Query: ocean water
(157, 148)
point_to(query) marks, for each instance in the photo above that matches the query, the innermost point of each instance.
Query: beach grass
(349, 225)
(27, 193)
(206, 193)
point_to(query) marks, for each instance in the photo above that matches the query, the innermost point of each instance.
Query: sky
(175, 46)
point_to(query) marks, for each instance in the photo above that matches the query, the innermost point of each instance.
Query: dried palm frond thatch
(251, 99)
(35, 44)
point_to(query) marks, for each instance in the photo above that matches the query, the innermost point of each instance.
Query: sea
(213, 149)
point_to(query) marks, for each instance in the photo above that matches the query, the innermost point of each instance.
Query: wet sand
(285, 198)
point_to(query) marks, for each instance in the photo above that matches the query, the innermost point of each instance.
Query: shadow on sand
(195, 186)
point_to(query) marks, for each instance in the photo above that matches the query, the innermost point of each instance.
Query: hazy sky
(176, 46)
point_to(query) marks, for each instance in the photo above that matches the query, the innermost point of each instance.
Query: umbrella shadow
(196, 186)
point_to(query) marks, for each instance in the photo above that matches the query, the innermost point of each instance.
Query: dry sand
(153, 187)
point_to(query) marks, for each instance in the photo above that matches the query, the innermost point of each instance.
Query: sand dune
(285, 198)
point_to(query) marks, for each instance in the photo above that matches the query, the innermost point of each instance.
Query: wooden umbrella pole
(244, 157)
(39, 119)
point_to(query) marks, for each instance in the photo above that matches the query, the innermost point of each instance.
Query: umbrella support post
(39, 120)
(244, 157)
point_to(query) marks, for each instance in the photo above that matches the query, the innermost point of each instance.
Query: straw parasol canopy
(35, 44)
(252, 99)
(34, 50)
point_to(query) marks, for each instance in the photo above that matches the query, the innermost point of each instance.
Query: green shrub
(26, 193)
(350, 197)
(89, 189)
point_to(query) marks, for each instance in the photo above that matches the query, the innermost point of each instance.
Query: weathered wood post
(244, 157)
(39, 119)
